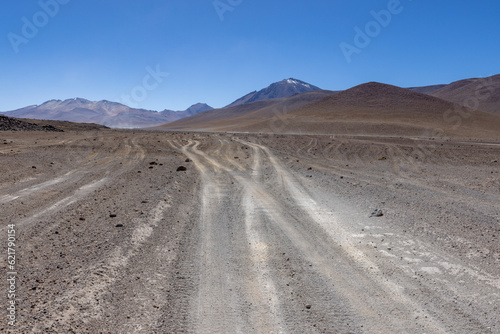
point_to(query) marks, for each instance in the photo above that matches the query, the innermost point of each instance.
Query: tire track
(392, 295)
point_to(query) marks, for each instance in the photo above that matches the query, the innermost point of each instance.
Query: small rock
(34, 167)
(181, 169)
(153, 163)
(144, 202)
(377, 213)
(308, 306)
(187, 160)
(383, 158)
(112, 215)
(82, 219)
(119, 225)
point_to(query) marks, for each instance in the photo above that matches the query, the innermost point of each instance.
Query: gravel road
(259, 233)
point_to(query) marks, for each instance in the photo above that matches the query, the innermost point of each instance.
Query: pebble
(377, 213)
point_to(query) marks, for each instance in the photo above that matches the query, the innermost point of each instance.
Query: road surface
(260, 234)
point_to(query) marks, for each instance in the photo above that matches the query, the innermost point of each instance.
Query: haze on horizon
(172, 55)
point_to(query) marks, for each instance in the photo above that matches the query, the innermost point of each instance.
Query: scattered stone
(383, 158)
(236, 157)
(377, 213)
(82, 219)
(187, 160)
(112, 215)
(34, 167)
(181, 169)
(308, 306)
(144, 202)
(14, 124)
(152, 163)
(119, 225)
(310, 168)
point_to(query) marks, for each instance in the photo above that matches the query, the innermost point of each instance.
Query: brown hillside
(379, 109)
(482, 94)
(368, 109)
(245, 113)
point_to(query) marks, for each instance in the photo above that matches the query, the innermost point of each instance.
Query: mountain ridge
(368, 109)
(284, 88)
(479, 93)
(482, 93)
(104, 112)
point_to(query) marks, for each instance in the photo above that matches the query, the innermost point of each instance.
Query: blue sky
(159, 54)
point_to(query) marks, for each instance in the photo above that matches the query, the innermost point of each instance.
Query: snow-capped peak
(295, 82)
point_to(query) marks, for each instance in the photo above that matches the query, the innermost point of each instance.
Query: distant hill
(426, 89)
(368, 109)
(243, 113)
(111, 114)
(283, 88)
(479, 93)
(283, 99)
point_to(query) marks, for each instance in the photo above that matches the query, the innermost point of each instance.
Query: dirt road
(261, 234)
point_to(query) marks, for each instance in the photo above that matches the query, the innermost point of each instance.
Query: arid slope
(368, 109)
(478, 93)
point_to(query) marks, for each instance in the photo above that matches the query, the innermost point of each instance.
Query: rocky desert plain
(373, 210)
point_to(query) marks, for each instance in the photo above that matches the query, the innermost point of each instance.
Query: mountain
(426, 89)
(104, 112)
(197, 108)
(479, 93)
(368, 109)
(243, 113)
(284, 88)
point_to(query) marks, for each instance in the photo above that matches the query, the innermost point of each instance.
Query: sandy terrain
(260, 234)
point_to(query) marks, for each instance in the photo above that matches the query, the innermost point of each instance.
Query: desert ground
(259, 234)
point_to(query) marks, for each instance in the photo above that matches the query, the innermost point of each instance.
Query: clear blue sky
(105, 49)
